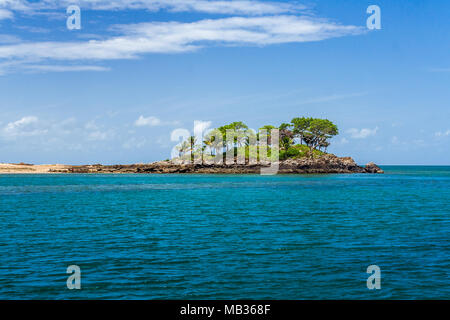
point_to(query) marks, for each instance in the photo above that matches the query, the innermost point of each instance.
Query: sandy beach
(30, 168)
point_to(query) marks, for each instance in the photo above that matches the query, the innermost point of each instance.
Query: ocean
(227, 236)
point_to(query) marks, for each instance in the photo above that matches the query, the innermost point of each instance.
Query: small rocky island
(298, 147)
(325, 164)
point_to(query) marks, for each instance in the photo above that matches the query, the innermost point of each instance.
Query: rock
(373, 168)
(326, 164)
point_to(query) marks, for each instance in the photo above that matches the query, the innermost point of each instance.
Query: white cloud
(344, 141)
(6, 38)
(5, 14)
(100, 135)
(247, 7)
(149, 121)
(177, 37)
(25, 121)
(91, 126)
(200, 127)
(442, 134)
(26, 126)
(134, 143)
(62, 68)
(97, 132)
(362, 133)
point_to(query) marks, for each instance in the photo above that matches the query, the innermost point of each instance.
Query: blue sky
(76, 96)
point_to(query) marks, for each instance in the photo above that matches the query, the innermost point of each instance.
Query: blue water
(226, 236)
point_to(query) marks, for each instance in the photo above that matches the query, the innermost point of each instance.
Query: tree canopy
(305, 133)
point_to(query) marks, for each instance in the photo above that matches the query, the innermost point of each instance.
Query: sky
(115, 90)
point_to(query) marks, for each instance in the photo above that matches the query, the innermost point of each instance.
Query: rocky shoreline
(325, 164)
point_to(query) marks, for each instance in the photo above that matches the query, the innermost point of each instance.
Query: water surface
(226, 236)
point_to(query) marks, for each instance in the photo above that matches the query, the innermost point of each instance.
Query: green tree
(286, 136)
(318, 133)
(192, 140)
(209, 142)
(240, 129)
(268, 136)
(301, 126)
(183, 148)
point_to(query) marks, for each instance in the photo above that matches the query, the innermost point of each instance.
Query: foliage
(302, 137)
(290, 153)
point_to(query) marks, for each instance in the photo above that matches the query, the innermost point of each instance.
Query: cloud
(200, 127)
(100, 135)
(134, 143)
(34, 29)
(177, 37)
(5, 14)
(97, 132)
(362, 133)
(149, 121)
(62, 68)
(25, 121)
(6, 38)
(153, 122)
(395, 140)
(442, 134)
(260, 23)
(26, 126)
(246, 7)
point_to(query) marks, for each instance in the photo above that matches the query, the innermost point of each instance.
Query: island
(298, 147)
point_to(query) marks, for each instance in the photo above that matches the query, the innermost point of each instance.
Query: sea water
(226, 236)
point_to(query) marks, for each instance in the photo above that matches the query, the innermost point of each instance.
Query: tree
(268, 135)
(301, 126)
(223, 131)
(286, 135)
(318, 132)
(324, 145)
(313, 132)
(183, 148)
(216, 143)
(240, 129)
(192, 140)
(208, 142)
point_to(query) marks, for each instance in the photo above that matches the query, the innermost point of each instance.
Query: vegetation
(302, 137)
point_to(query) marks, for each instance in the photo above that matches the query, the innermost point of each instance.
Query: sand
(29, 168)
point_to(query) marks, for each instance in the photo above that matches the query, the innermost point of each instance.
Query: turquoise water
(226, 236)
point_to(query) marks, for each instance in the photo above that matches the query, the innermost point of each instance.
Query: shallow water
(226, 236)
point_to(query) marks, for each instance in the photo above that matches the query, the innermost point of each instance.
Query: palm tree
(203, 151)
(192, 140)
(183, 148)
(268, 135)
(208, 142)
